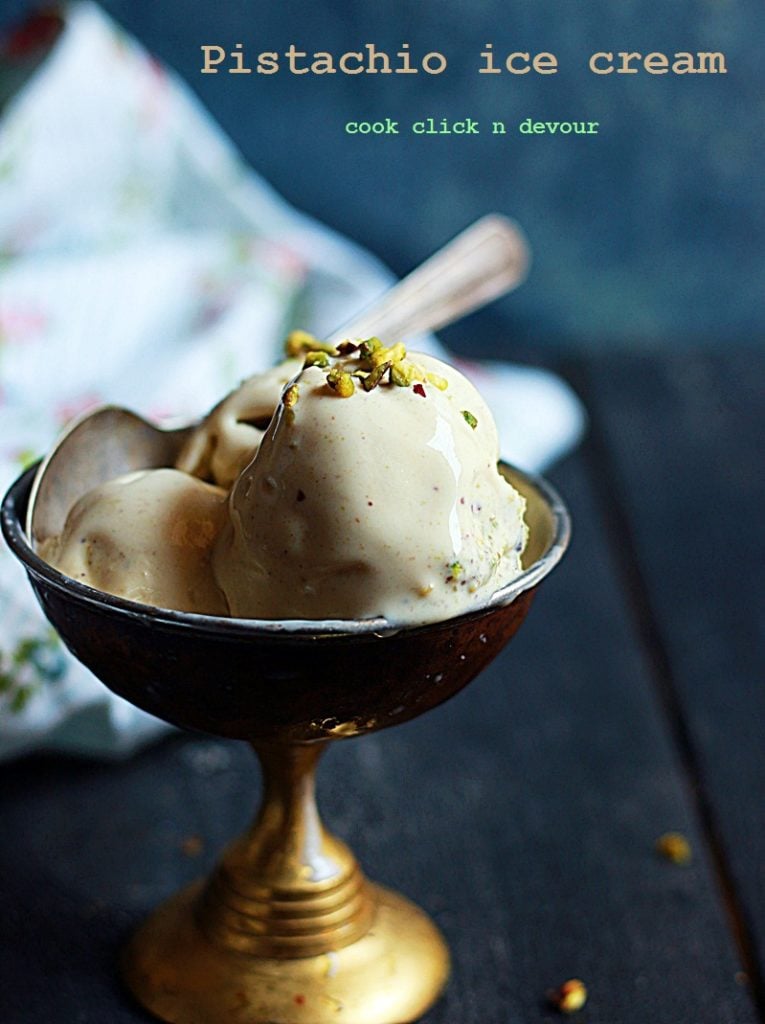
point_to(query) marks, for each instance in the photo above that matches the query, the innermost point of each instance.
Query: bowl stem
(287, 887)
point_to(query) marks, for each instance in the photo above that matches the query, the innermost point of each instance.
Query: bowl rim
(18, 495)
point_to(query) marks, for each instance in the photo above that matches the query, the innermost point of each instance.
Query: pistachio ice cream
(147, 536)
(372, 491)
(384, 502)
(230, 435)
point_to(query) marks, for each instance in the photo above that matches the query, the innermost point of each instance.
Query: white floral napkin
(142, 263)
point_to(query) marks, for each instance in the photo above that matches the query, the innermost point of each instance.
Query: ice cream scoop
(229, 436)
(146, 536)
(375, 491)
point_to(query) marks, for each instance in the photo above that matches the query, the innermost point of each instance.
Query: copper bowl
(293, 680)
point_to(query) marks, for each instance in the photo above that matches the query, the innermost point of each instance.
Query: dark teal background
(648, 234)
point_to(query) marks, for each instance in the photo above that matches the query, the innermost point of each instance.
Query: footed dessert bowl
(287, 928)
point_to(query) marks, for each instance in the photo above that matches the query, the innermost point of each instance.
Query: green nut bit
(341, 382)
(316, 359)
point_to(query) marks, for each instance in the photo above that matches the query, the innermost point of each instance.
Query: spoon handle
(486, 260)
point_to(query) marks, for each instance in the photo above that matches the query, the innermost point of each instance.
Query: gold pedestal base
(390, 975)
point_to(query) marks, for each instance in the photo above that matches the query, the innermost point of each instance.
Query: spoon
(486, 260)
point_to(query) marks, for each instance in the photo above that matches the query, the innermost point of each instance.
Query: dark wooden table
(523, 815)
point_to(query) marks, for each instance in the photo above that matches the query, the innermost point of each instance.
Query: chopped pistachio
(347, 348)
(372, 379)
(570, 997)
(675, 847)
(291, 395)
(394, 354)
(299, 342)
(402, 374)
(367, 347)
(316, 359)
(469, 418)
(405, 372)
(341, 382)
(289, 401)
(456, 569)
(438, 382)
(372, 353)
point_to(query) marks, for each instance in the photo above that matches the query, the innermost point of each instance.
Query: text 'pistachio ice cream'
(372, 500)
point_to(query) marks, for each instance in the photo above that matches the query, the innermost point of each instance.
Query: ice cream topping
(348, 482)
